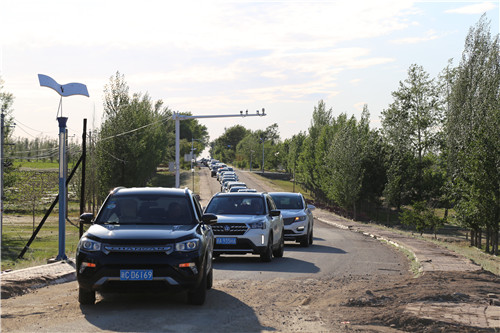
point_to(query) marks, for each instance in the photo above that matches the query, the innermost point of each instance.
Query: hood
(292, 212)
(111, 232)
(239, 218)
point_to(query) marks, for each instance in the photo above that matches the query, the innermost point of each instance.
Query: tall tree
(6, 103)
(132, 139)
(311, 161)
(344, 163)
(411, 125)
(472, 132)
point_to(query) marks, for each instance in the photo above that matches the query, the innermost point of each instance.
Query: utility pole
(177, 117)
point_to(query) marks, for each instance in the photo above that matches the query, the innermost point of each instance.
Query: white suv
(247, 223)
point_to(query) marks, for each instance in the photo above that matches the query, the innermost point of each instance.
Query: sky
(221, 57)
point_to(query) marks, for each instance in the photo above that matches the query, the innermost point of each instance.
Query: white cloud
(429, 35)
(359, 106)
(477, 8)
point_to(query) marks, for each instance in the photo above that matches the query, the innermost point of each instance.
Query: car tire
(210, 279)
(86, 296)
(198, 295)
(311, 236)
(278, 253)
(306, 240)
(267, 255)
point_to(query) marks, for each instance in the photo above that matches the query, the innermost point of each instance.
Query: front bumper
(253, 241)
(167, 274)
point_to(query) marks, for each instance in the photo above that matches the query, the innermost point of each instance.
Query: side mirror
(311, 207)
(86, 218)
(275, 213)
(209, 219)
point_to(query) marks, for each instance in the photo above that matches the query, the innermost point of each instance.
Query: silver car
(247, 223)
(297, 216)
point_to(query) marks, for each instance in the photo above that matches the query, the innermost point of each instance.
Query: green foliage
(421, 217)
(472, 132)
(411, 128)
(132, 138)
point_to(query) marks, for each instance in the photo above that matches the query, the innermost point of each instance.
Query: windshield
(146, 209)
(287, 202)
(236, 205)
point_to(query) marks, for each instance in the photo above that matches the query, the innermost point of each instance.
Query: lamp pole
(177, 117)
(63, 90)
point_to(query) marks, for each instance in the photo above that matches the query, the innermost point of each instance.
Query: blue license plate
(225, 240)
(136, 274)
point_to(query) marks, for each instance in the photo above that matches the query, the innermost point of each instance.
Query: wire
(18, 122)
(134, 130)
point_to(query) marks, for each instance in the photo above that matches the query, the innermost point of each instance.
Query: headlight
(87, 244)
(300, 218)
(189, 245)
(257, 225)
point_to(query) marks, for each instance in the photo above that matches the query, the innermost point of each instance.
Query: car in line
(146, 238)
(247, 223)
(227, 187)
(297, 216)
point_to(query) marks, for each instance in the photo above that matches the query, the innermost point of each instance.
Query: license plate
(225, 240)
(136, 274)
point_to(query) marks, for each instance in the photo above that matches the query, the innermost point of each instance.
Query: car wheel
(281, 249)
(311, 237)
(267, 255)
(197, 295)
(86, 296)
(305, 241)
(210, 279)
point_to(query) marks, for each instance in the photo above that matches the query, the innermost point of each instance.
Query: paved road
(335, 252)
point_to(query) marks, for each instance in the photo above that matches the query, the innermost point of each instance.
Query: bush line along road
(345, 281)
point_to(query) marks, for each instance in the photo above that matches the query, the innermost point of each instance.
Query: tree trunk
(488, 236)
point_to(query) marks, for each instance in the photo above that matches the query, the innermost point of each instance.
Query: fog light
(262, 239)
(301, 228)
(187, 265)
(85, 265)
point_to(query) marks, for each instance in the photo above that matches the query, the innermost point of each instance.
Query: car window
(288, 202)
(146, 209)
(236, 205)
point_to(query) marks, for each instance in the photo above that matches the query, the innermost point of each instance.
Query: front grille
(229, 228)
(138, 249)
(288, 220)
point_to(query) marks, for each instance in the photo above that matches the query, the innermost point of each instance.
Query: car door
(276, 221)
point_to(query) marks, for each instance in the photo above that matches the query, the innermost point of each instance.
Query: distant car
(221, 171)
(232, 184)
(225, 181)
(146, 238)
(246, 190)
(247, 223)
(216, 168)
(297, 216)
(236, 189)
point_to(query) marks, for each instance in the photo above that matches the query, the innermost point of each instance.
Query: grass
(41, 165)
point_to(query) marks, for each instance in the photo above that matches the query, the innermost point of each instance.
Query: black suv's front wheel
(86, 296)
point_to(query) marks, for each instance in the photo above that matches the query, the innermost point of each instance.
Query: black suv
(153, 238)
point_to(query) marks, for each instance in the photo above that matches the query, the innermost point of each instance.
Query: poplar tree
(473, 135)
